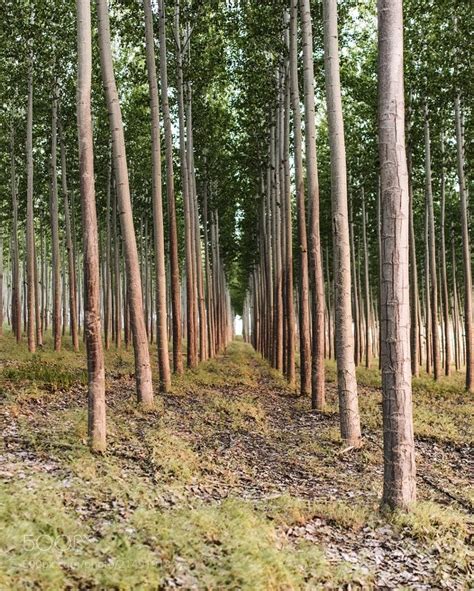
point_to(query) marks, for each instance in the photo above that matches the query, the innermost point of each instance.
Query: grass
(144, 515)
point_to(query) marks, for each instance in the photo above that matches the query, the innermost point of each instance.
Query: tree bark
(53, 208)
(433, 288)
(158, 231)
(173, 231)
(30, 229)
(444, 272)
(466, 249)
(142, 357)
(316, 267)
(95, 357)
(347, 384)
(15, 259)
(399, 453)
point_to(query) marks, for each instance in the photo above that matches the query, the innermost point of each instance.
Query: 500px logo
(46, 542)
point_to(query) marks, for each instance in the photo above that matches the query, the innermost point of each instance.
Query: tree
(158, 231)
(346, 376)
(134, 287)
(316, 267)
(95, 357)
(399, 453)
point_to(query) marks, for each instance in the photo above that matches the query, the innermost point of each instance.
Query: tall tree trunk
(30, 229)
(188, 223)
(71, 255)
(53, 208)
(318, 387)
(466, 249)
(399, 452)
(95, 356)
(366, 283)
(108, 261)
(433, 288)
(16, 289)
(347, 385)
(414, 299)
(158, 230)
(173, 231)
(444, 272)
(137, 319)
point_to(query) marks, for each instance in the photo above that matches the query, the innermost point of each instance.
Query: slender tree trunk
(399, 452)
(304, 315)
(347, 385)
(173, 231)
(71, 257)
(30, 230)
(16, 289)
(56, 267)
(455, 314)
(318, 387)
(433, 288)
(188, 230)
(137, 319)
(108, 261)
(466, 249)
(95, 357)
(444, 272)
(414, 299)
(158, 231)
(366, 284)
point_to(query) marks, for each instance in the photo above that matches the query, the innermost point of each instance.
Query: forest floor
(230, 483)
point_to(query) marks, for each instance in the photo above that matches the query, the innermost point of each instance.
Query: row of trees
(127, 288)
(361, 324)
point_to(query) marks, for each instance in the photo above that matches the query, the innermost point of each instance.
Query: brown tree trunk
(137, 319)
(158, 230)
(95, 357)
(467, 262)
(54, 217)
(347, 384)
(444, 272)
(16, 289)
(433, 287)
(316, 267)
(399, 452)
(173, 231)
(71, 255)
(30, 229)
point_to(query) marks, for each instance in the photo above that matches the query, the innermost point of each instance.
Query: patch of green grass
(443, 529)
(288, 510)
(47, 375)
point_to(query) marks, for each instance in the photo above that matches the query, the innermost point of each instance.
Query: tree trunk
(30, 229)
(173, 231)
(347, 385)
(95, 357)
(53, 208)
(444, 272)
(158, 231)
(318, 386)
(399, 453)
(71, 256)
(188, 223)
(366, 284)
(465, 249)
(16, 289)
(433, 288)
(414, 301)
(137, 319)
